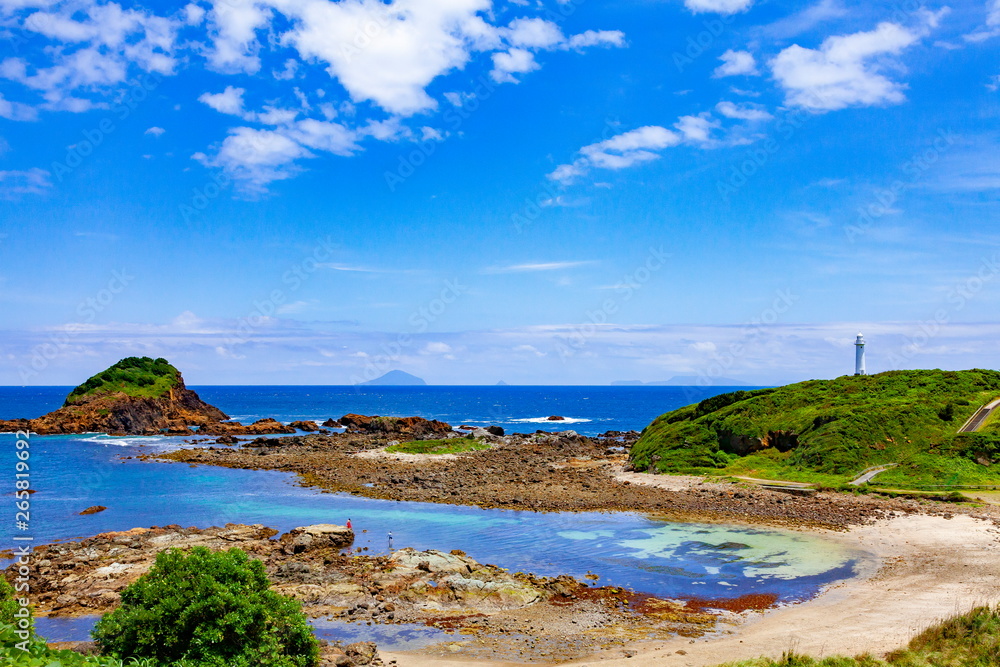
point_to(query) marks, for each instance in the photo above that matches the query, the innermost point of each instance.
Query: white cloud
(326, 136)
(229, 101)
(95, 46)
(718, 6)
(845, 71)
(735, 63)
(508, 63)
(383, 54)
(696, 129)
(256, 157)
(402, 46)
(751, 112)
(193, 14)
(533, 33)
(541, 35)
(155, 131)
(596, 38)
(618, 152)
(233, 32)
(16, 110)
(34, 181)
(992, 28)
(436, 347)
(535, 267)
(805, 20)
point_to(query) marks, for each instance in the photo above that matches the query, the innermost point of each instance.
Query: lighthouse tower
(859, 355)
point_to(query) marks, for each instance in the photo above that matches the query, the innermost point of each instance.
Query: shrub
(212, 608)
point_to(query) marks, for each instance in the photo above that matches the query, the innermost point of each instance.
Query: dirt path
(923, 569)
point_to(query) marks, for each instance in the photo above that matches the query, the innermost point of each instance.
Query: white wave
(546, 420)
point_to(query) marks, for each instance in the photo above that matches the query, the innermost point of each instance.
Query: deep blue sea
(71, 473)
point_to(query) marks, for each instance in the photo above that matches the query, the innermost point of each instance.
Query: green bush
(214, 609)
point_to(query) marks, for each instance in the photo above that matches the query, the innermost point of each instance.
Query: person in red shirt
(349, 526)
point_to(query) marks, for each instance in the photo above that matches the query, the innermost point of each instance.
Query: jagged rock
(94, 509)
(440, 580)
(307, 426)
(407, 426)
(331, 423)
(259, 427)
(361, 653)
(319, 536)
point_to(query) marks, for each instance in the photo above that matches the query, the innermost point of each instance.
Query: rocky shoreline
(540, 472)
(490, 610)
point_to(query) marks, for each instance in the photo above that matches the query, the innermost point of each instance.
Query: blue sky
(549, 192)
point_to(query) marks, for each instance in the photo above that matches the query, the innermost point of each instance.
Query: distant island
(827, 431)
(682, 381)
(395, 378)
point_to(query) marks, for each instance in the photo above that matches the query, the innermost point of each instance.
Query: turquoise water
(71, 473)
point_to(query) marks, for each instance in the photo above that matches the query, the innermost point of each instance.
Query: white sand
(922, 569)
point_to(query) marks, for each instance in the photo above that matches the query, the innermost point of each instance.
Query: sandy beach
(920, 570)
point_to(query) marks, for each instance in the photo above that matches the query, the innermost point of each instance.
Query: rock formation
(413, 427)
(138, 396)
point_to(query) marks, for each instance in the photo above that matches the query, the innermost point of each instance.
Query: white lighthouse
(859, 355)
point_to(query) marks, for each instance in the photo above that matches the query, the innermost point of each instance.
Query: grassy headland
(828, 431)
(141, 377)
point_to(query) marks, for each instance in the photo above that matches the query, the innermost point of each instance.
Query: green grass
(969, 640)
(141, 377)
(828, 431)
(446, 446)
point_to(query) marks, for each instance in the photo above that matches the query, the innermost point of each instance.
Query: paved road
(869, 474)
(976, 421)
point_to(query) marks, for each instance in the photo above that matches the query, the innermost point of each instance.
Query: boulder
(307, 426)
(556, 418)
(331, 423)
(259, 427)
(361, 653)
(495, 430)
(403, 426)
(319, 536)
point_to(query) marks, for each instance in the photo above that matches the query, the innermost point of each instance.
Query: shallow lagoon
(623, 549)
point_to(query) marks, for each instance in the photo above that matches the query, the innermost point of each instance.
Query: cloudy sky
(538, 191)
